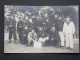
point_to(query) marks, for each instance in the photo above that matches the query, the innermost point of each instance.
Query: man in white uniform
(69, 30)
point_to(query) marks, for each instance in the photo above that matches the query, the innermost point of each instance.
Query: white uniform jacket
(69, 28)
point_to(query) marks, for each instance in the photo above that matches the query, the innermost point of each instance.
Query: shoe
(62, 47)
(15, 42)
(71, 49)
(56, 46)
(68, 47)
(26, 45)
(9, 42)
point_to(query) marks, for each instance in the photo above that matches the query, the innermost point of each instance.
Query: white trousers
(61, 38)
(69, 40)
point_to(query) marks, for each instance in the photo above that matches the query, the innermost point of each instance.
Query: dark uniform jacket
(54, 38)
(26, 30)
(20, 26)
(42, 34)
(12, 25)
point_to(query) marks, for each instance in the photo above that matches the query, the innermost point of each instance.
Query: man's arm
(29, 35)
(18, 27)
(36, 36)
(14, 23)
(73, 27)
(64, 27)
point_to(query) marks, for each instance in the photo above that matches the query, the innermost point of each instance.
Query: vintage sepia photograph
(41, 29)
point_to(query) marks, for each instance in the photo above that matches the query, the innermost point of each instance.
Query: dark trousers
(54, 42)
(12, 32)
(25, 39)
(21, 36)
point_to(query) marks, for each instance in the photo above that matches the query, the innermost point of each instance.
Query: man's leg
(71, 40)
(14, 35)
(10, 36)
(26, 40)
(62, 38)
(67, 40)
(20, 36)
(29, 41)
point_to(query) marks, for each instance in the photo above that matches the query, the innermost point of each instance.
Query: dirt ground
(21, 48)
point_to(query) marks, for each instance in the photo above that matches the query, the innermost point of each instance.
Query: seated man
(54, 37)
(42, 36)
(32, 36)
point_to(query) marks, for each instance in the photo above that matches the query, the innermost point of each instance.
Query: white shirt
(30, 35)
(69, 28)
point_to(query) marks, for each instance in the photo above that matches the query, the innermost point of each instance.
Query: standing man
(12, 28)
(20, 30)
(69, 30)
(32, 36)
(26, 30)
(42, 36)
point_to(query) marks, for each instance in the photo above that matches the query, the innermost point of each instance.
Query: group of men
(28, 32)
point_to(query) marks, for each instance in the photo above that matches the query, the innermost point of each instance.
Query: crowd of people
(30, 28)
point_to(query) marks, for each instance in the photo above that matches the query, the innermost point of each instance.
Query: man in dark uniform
(42, 35)
(26, 30)
(47, 25)
(12, 28)
(20, 30)
(7, 19)
(31, 25)
(41, 32)
(54, 37)
(6, 23)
